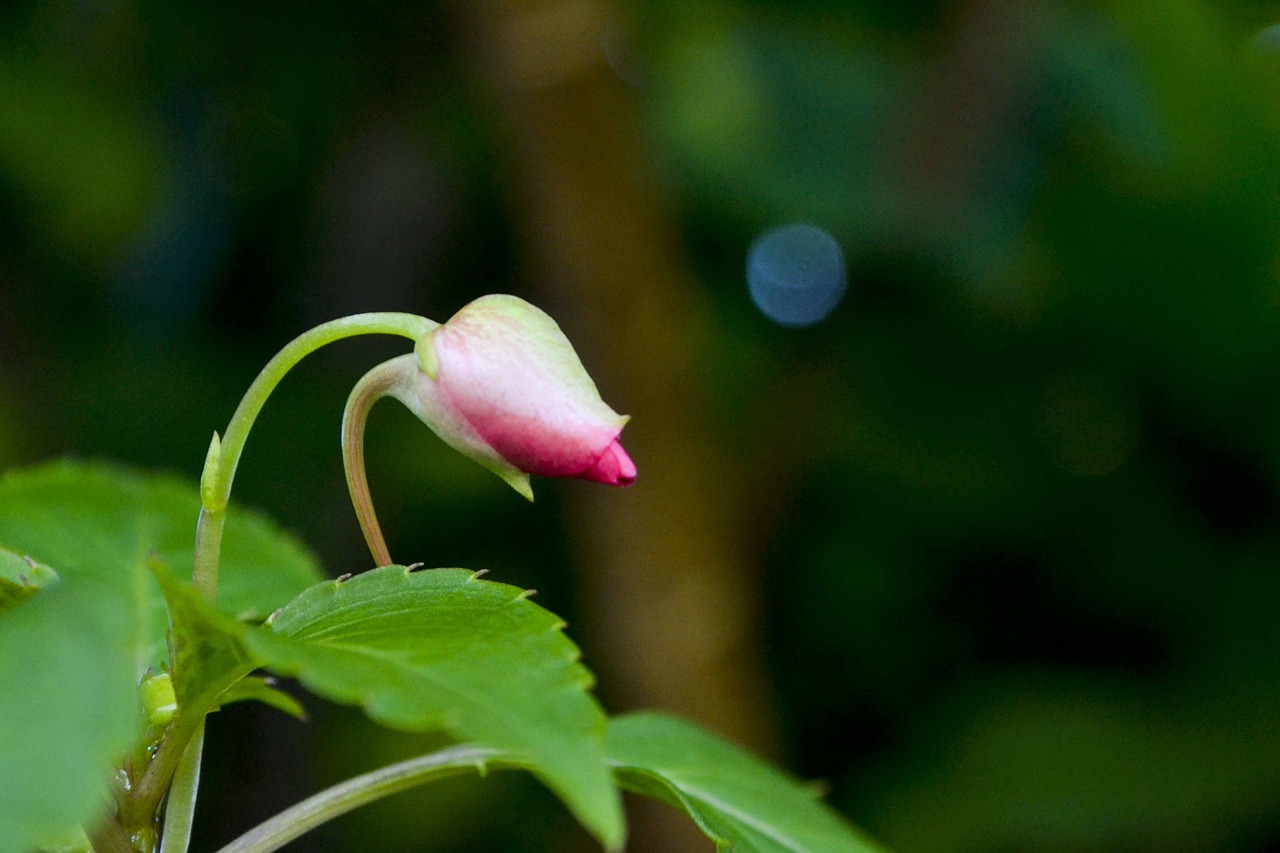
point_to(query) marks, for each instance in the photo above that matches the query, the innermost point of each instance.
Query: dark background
(992, 551)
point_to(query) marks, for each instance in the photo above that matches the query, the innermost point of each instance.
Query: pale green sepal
(419, 393)
(510, 474)
(517, 480)
(425, 350)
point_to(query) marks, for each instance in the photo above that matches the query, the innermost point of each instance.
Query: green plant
(110, 663)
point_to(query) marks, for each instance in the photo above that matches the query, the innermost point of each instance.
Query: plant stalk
(107, 836)
(348, 795)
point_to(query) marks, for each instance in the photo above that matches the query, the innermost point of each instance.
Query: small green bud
(425, 350)
(159, 699)
(209, 476)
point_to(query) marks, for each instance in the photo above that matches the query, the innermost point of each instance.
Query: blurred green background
(993, 552)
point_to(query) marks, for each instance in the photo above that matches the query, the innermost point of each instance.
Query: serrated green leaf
(741, 803)
(443, 650)
(67, 706)
(210, 659)
(21, 577)
(69, 665)
(105, 522)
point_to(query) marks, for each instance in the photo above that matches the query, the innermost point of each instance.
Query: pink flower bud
(501, 383)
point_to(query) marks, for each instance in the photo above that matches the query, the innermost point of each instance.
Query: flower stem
(348, 795)
(222, 463)
(371, 388)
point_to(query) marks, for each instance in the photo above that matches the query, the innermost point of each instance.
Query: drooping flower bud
(502, 384)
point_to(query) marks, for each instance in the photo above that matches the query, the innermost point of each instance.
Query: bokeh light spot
(796, 274)
(1267, 40)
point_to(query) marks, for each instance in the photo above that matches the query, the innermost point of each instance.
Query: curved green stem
(387, 323)
(177, 761)
(224, 455)
(372, 387)
(342, 798)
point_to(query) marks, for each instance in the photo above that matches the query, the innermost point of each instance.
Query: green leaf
(68, 707)
(210, 659)
(441, 649)
(71, 657)
(71, 841)
(741, 803)
(105, 522)
(21, 578)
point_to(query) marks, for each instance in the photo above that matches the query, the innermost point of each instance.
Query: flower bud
(501, 383)
(159, 699)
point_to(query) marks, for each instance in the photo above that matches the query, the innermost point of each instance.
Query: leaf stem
(348, 795)
(216, 490)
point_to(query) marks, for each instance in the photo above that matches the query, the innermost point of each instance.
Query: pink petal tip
(613, 468)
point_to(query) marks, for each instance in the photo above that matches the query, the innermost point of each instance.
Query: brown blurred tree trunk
(673, 598)
(970, 98)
